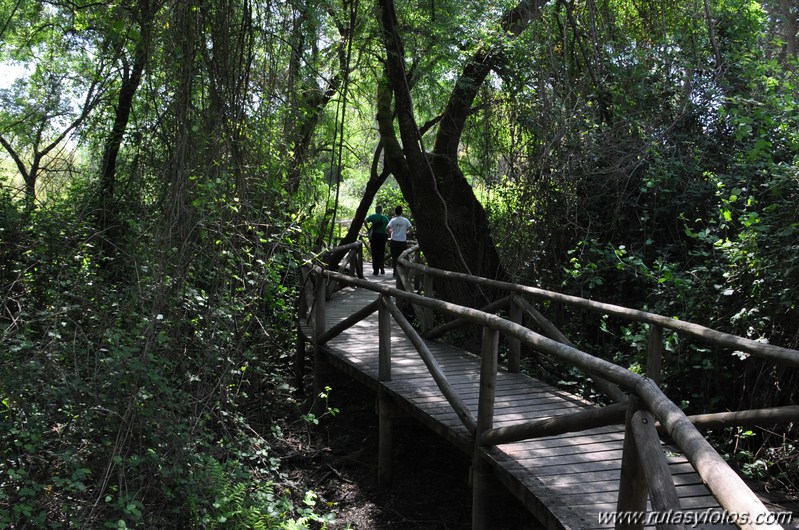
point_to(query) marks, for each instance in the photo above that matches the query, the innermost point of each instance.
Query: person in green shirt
(377, 223)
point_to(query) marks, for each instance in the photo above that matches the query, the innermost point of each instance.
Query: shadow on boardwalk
(430, 490)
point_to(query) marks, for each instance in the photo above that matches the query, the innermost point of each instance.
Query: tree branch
(473, 75)
(15, 157)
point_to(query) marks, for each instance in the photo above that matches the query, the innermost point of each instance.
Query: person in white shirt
(398, 228)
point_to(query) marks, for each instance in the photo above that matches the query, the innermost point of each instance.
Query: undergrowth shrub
(702, 224)
(133, 385)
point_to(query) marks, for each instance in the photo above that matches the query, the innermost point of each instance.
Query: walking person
(378, 223)
(398, 228)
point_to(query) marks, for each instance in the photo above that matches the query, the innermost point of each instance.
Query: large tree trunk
(228, 55)
(178, 212)
(131, 78)
(451, 224)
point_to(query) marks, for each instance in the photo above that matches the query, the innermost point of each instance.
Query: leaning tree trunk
(373, 185)
(451, 224)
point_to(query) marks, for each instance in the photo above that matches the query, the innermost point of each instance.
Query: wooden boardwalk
(565, 481)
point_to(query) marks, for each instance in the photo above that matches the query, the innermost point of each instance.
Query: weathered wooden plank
(583, 418)
(586, 494)
(443, 384)
(505, 389)
(579, 438)
(429, 393)
(528, 450)
(575, 467)
(438, 407)
(425, 392)
(611, 477)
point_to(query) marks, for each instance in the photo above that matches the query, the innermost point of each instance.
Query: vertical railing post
(384, 341)
(320, 300)
(654, 353)
(633, 491)
(515, 345)
(330, 285)
(304, 318)
(359, 261)
(416, 274)
(407, 279)
(299, 360)
(399, 284)
(660, 485)
(385, 407)
(350, 262)
(427, 320)
(488, 379)
(481, 473)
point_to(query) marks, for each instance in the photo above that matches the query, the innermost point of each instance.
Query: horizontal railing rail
(348, 258)
(643, 464)
(776, 354)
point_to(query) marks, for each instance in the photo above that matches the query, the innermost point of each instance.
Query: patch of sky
(11, 71)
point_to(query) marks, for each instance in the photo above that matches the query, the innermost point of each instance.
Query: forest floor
(430, 489)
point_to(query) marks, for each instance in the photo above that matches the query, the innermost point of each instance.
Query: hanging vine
(341, 114)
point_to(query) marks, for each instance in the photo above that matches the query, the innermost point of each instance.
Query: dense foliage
(131, 392)
(148, 260)
(165, 166)
(659, 171)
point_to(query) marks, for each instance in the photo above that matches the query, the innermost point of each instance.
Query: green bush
(126, 398)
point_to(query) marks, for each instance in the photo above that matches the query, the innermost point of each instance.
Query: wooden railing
(348, 259)
(644, 469)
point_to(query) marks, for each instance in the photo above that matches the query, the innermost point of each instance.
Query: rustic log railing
(316, 287)
(770, 352)
(644, 472)
(654, 354)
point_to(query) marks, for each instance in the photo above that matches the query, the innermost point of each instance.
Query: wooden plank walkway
(565, 481)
